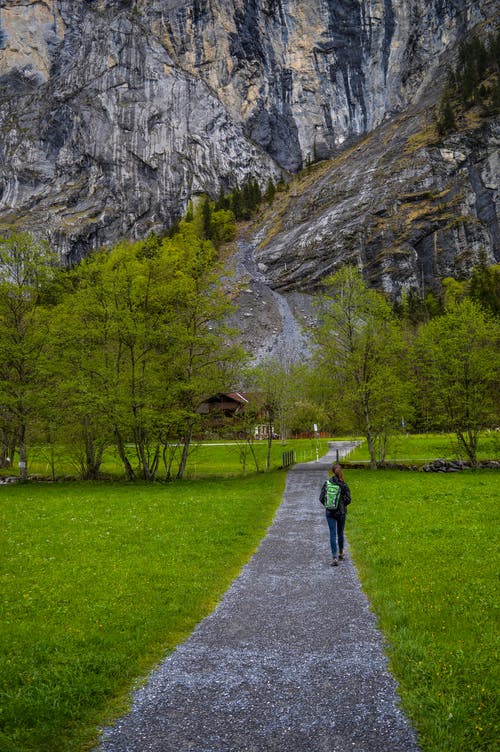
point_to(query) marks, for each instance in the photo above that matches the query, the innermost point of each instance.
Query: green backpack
(332, 496)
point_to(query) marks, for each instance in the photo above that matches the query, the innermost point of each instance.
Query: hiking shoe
(341, 556)
(335, 562)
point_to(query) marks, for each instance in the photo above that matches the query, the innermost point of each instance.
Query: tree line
(379, 373)
(123, 349)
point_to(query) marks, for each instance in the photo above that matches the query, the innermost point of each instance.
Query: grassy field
(98, 581)
(427, 550)
(220, 459)
(424, 447)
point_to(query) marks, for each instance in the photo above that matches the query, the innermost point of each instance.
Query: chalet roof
(238, 397)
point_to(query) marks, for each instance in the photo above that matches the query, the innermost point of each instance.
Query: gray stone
(113, 114)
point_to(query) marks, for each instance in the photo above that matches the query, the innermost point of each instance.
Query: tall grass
(98, 581)
(426, 548)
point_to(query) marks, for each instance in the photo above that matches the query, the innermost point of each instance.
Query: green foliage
(99, 581)
(244, 200)
(141, 341)
(458, 364)
(484, 287)
(277, 381)
(415, 309)
(26, 267)
(473, 62)
(270, 192)
(123, 348)
(362, 360)
(454, 291)
(425, 547)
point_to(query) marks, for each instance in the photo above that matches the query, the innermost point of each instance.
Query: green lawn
(98, 581)
(427, 550)
(425, 447)
(211, 458)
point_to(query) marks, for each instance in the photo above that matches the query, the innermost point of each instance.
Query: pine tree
(206, 213)
(446, 121)
(237, 203)
(270, 191)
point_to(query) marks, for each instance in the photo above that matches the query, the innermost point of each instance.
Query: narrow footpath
(290, 661)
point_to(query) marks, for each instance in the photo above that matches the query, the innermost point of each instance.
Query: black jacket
(345, 498)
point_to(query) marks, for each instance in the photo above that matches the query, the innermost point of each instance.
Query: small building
(223, 408)
(226, 405)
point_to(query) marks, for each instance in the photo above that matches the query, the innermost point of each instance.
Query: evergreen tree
(270, 191)
(446, 120)
(223, 202)
(485, 286)
(237, 204)
(206, 213)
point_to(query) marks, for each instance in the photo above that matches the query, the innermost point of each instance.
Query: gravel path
(290, 661)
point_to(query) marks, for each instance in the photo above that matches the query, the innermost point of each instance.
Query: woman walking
(335, 496)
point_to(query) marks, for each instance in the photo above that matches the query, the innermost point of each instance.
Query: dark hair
(337, 470)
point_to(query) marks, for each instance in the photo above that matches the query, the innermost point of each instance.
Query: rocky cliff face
(404, 205)
(114, 112)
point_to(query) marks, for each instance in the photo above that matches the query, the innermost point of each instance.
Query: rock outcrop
(114, 112)
(404, 205)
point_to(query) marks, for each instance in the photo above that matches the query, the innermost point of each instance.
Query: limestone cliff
(114, 112)
(404, 205)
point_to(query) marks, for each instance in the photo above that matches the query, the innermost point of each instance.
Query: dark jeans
(336, 525)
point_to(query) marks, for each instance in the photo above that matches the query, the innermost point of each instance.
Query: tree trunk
(52, 460)
(270, 426)
(154, 465)
(168, 461)
(93, 457)
(469, 444)
(185, 452)
(23, 456)
(129, 471)
(252, 449)
(369, 435)
(141, 452)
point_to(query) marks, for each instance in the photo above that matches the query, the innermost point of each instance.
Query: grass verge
(98, 581)
(425, 546)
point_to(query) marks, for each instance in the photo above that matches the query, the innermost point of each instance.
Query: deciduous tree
(458, 367)
(361, 360)
(26, 266)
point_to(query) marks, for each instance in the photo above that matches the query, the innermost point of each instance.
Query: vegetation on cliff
(473, 82)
